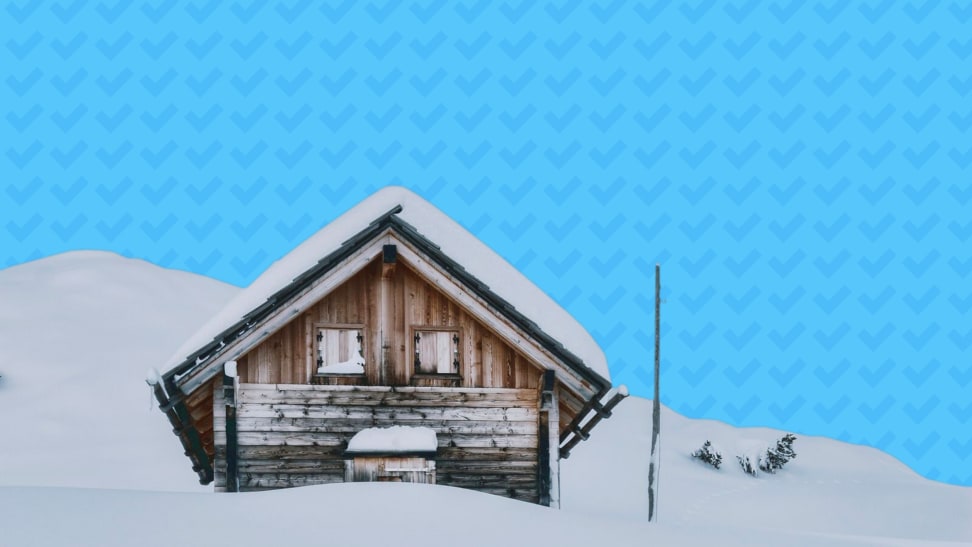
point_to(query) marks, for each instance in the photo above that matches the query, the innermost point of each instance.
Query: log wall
(295, 435)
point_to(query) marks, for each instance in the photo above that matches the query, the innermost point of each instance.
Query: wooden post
(386, 311)
(653, 467)
(231, 385)
(549, 442)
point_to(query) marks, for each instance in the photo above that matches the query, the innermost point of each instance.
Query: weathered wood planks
(400, 411)
(294, 435)
(343, 425)
(388, 308)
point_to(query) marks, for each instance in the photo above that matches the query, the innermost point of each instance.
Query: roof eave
(204, 355)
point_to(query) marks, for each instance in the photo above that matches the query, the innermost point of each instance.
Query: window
(340, 349)
(436, 351)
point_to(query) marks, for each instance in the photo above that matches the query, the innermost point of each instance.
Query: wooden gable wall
(385, 304)
(286, 357)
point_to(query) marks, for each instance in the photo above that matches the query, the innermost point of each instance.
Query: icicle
(151, 380)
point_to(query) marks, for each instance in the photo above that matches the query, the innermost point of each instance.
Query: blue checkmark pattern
(802, 169)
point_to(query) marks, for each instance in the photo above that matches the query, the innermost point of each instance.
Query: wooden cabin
(384, 330)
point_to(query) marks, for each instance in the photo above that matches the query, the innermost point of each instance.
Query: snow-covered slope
(830, 488)
(358, 515)
(78, 332)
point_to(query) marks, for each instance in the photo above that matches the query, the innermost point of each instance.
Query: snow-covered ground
(79, 331)
(78, 334)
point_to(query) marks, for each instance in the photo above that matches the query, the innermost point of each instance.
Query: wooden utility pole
(654, 462)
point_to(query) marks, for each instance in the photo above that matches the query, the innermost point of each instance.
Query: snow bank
(832, 488)
(394, 439)
(78, 331)
(93, 424)
(410, 515)
(454, 240)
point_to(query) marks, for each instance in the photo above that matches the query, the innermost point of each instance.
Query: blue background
(799, 168)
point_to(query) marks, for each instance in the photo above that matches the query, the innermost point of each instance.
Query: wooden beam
(231, 385)
(553, 417)
(389, 258)
(543, 458)
(548, 450)
(385, 314)
(488, 393)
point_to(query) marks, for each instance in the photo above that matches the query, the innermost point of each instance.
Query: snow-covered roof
(394, 439)
(454, 241)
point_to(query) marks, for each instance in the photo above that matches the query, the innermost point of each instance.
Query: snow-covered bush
(749, 454)
(708, 455)
(754, 459)
(749, 464)
(776, 457)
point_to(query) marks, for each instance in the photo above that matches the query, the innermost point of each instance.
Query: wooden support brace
(580, 433)
(600, 409)
(583, 433)
(175, 410)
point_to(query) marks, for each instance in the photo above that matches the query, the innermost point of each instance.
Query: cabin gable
(388, 338)
(384, 331)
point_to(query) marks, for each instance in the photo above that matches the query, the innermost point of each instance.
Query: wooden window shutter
(337, 345)
(436, 352)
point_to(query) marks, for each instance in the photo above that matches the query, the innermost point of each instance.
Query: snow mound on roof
(454, 240)
(397, 438)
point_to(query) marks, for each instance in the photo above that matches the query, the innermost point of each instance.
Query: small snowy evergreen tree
(778, 456)
(708, 455)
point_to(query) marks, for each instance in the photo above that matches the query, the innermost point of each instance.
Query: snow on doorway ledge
(393, 440)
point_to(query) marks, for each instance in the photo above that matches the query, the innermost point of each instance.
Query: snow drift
(78, 331)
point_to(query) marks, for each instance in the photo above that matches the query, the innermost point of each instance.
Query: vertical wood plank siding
(295, 435)
(485, 360)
